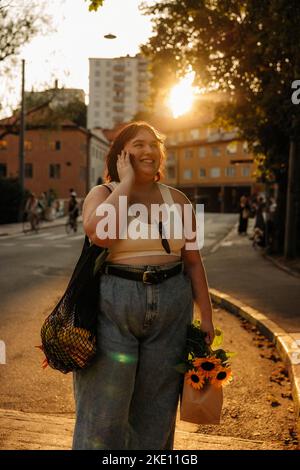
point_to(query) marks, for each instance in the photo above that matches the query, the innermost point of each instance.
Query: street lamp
(110, 36)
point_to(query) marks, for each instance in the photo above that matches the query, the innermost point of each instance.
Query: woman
(244, 211)
(127, 399)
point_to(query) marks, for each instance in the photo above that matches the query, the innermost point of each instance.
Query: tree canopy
(18, 24)
(248, 49)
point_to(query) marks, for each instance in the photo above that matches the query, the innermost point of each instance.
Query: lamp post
(22, 128)
(21, 138)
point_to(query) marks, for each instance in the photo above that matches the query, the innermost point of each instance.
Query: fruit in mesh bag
(77, 343)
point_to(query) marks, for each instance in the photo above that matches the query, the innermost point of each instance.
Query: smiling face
(145, 149)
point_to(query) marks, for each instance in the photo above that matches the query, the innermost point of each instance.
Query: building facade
(57, 159)
(210, 165)
(118, 89)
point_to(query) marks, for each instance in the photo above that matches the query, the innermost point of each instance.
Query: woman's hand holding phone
(124, 167)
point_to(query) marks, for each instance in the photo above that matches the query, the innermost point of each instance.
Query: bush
(11, 199)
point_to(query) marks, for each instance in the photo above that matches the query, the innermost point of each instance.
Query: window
(202, 152)
(187, 174)
(202, 172)
(216, 151)
(171, 156)
(215, 172)
(54, 170)
(188, 154)
(246, 171)
(195, 134)
(97, 73)
(97, 83)
(230, 171)
(28, 170)
(171, 172)
(3, 144)
(96, 114)
(97, 104)
(27, 145)
(231, 147)
(55, 145)
(245, 147)
(3, 170)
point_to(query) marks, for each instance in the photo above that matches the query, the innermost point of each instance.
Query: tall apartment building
(118, 89)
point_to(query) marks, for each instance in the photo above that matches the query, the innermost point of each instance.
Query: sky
(64, 54)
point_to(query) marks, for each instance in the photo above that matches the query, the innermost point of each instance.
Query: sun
(182, 95)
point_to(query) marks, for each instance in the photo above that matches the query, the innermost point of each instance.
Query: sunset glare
(182, 95)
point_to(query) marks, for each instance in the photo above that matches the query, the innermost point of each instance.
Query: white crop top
(137, 247)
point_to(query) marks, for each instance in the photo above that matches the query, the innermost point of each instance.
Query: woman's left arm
(194, 268)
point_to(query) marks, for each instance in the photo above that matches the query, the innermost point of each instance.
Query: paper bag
(202, 406)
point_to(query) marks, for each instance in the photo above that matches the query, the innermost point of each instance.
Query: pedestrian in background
(127, 398)
(244, 211)
(31, 210)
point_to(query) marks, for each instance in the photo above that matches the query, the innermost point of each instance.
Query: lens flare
(182, 95)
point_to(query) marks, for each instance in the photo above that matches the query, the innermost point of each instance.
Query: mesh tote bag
(69, 333)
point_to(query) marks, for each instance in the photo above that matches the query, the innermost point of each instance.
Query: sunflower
(223, 377)
(207, 366)
(194, 379)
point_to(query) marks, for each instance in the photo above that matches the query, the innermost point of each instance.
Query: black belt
(150, 276)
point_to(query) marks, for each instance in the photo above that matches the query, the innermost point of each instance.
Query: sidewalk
(248, 284)
(14, 229)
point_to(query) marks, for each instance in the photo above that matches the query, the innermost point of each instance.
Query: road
(34, 272)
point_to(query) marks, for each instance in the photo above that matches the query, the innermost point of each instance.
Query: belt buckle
(146, 275)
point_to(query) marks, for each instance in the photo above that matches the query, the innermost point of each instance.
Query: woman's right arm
(97, 196)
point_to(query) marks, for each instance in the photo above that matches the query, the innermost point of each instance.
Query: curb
(58, 223)
(287, 345)
(281, 266)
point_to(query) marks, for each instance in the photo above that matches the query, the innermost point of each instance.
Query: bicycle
(71, 224)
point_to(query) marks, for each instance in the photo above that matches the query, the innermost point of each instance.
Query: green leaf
(218, 339)
(95, 4)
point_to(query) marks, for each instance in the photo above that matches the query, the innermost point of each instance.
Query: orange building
(212, 166)
(56, 158)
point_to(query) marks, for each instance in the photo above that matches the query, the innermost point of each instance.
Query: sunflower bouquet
(206, 370)
(203, 363)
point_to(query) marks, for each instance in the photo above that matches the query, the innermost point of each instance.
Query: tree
(95, 4)
(18, 25)
(247, 49)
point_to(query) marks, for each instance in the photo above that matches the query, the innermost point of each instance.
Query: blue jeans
(128, 397)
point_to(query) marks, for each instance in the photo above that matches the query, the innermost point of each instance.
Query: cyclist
(73, 210)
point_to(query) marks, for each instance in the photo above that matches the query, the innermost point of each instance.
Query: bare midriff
(147, 260)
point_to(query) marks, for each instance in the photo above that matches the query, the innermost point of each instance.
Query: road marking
(56, 237)
(62, 246)
(37, 235)
(76, 237)
(226, 243)
(9, 237)
(33, 245)
(7, 244)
